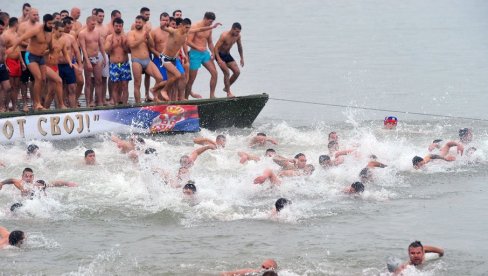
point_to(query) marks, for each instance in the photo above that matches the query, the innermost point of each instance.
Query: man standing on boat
(160, 39)
(4, 75)
(104, 32)
(66, 72)
(91, 44)
(145, 12)
(120, 75)
(199, 43)
(15, 65)
(139, 41)
(75, 14)
(224, 58)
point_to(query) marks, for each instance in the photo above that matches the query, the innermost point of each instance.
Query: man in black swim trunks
(225, 60)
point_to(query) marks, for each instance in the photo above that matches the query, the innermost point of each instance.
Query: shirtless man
(25, 12)
(261, 139)
(219, 141)
(178, 14)
(26, 79)
(40, 38)
(14, 238)
(225, 60)
(139, 41)
(64, 14)
(5, 87)
(267, 265)
(91, 45)
(199, 54)
(66, 71)
(299, 168)
(75, 14)
(419, 162)
(103, 30)
(54, 81)
(416, 253)
(146, 15)
(169, 56)
(120, 75)
(110, 25)
(15, 65)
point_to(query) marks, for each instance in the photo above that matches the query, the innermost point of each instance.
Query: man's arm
(132, 41)
(343, 152)
(100, 46)
(194, 155)
(82, 42)
(17, 183)
(376, 164)
(24, 37)
(66, 52)
(152, 48)
(216, 49)
(203, 29)
(241, 50)
(445, 149)
(203, 141)
(433, 249)
(61, 183)
(4, 233)
(108, 44)
(240, 272)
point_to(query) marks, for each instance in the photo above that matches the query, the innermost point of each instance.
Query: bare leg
(154, 72)
(97, 73)
(111, 92)
(125, 92)
(117, 90)
(147, 83)
(104, 89)
(137, 74)
(4, 93)
(15, 84)
(38, 72)
(88, 85)
(79, 84)
(189, 85)
(57, 83)
(226, 71)
(210, 66)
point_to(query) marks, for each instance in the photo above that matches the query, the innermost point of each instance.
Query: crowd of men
(65, 56)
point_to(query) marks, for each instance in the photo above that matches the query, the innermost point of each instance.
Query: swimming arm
(194, 155)
(445, 149)
(17, 183)
(61, 183)
(433, 249)
(203, 141)
(376, 164)
(240, 272)
(343, 152)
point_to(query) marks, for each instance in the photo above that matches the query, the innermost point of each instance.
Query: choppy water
(413, 56)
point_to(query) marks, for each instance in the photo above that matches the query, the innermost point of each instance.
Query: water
(412, 56)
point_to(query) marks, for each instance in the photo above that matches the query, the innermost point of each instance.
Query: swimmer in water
(333, 137)
(219, 141)
(133, 143)
(355, 188)
(14, 238)
(33, 151)
(366, 174)
(390, 122)
(189, 189)
(244, 156)
(267, 265)
(419, 162)
(274, 178)
(416, 253)
(465, 135)
(90, 159)
(279, 205)
(261, 140)
(187, 161)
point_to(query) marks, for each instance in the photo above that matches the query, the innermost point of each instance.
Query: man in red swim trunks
(15, 64)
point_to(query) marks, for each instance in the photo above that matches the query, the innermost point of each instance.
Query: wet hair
(140, 17)
(299, 155)
(67, 20)
(27, 170)
(374, 157)
(118, 20)
(358, 187)
(237, 25)
(114, 13)
(12, 21)
(209, 15)
(185, 21)
(463, 132)
(281, 203)
(332, 144)
(47, 17)
(15, 206)
(174, 13)
(190, 185)
(163, 14)
(43, 183)
(150, 151)
(99, 11)
(332, 132)
(436, 141)
(261, 134)
(270, 150)
(88, 152)
(221, 136)
(416, 160)
(25, 5)
(416, 244)
(58, 24)
(32, 148)
(270, 273)
(144, 9)
(16, 237)
(323, 158)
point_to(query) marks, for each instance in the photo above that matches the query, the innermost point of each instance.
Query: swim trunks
(67, 73)
(198, 58)
(159, 61)
(30, 58)
(26, 74)
(143, 62)
(94, 60)
(120, 72)
(15, 70)
(3, 73)
(105, 69)
(226, 57)
(54, 67)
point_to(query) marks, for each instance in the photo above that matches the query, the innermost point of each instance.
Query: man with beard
(116, 47)
(146, 14)
(139, 40)
(40, 39)
(91, 46)
(103, 30)
(15, 65)
(66, 71)
(417, 254)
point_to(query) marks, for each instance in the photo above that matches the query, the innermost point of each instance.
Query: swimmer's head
(418, 162)
(270, 273)
(333, 146)
(16, 238)
(269, 264)
(309, 169)
(15, 206)
(185, 161)
(465, 135)
(150, 151)
(416, 253)
(324, 161)
(366, 175)
(28, 175)
(300, 161)
(270, 153)
(281, 203)
(470, 151)
(261, 134)
(357, 187)
(373, 157)
(90, 158)
(190, 188)
(32, 150)
(41, 184)
(333, 136)
(220, 141)
(390, 122)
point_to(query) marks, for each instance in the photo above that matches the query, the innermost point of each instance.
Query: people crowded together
(66, 54)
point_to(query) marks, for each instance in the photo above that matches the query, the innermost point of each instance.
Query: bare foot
(91, 104)
(25, 108)
(196, 95)
(38, 108)
(2, 109)
(212, 97)
(63, 107)
(164, 94)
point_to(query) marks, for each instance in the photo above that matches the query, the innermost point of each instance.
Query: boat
(144, 118)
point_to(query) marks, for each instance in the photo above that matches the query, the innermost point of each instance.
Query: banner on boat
(58, 126)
